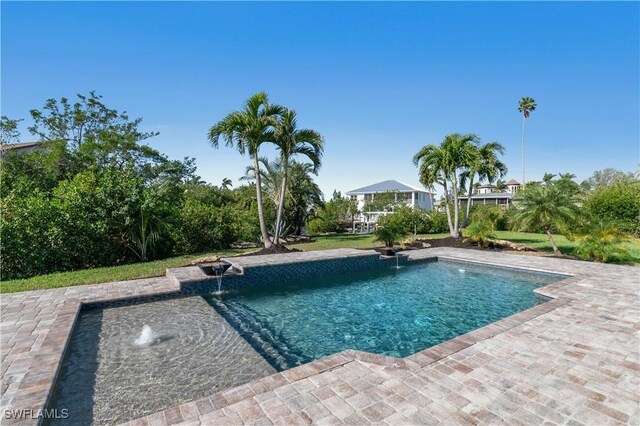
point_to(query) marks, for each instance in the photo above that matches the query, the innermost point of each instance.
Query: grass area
(157, 268)
(101, 275)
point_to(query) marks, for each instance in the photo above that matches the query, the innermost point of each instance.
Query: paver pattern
(574, 360)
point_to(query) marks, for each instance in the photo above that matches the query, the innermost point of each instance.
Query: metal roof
(19, 145)
(386, 186)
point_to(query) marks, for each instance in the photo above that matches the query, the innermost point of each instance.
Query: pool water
(395, 312)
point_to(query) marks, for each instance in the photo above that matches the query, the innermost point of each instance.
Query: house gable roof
(386, 186)
(19, 145)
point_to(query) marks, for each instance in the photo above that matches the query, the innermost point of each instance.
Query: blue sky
(378, 80)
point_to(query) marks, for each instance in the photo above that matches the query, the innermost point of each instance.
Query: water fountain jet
(147, 337)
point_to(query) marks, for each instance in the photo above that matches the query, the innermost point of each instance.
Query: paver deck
(574, 360)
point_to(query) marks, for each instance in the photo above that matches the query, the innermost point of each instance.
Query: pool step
(272, 347)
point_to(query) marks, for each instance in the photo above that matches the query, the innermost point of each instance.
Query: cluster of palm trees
(258, 123)
(455, 164)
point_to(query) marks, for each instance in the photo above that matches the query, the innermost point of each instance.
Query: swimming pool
(206, 343)
(395, 312)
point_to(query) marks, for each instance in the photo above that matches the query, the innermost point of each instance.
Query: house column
(413, 200)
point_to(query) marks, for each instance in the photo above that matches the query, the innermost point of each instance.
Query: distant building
(489, 194)
(409, 195)
(19, 148)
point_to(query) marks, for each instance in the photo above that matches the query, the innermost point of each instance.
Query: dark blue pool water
(394, 312)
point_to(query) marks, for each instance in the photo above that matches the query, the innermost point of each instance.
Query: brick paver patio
(574, 360)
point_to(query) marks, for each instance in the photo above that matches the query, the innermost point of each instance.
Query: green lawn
(101, 275)
(157, 268)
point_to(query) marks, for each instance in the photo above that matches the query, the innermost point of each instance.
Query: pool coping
(39, 387)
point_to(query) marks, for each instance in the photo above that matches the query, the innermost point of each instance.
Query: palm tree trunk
(446, 207)
(522, 151)
(263, 226)
(283, 192)
(456, 207)
(551, 240)
(466, 213)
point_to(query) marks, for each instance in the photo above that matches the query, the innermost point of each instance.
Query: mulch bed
(272, 250)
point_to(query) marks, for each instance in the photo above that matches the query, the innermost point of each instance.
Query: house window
(368, 197)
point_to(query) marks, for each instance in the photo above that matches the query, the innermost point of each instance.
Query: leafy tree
(248, 129)
(484, 164)
(334, 216)
(9, 132)
(605, 177)
(546, 205)
(291, 142)
(525, 106)
(383, 201)
(415, 219)
(443, 164)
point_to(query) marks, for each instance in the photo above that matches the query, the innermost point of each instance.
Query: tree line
(94, 193)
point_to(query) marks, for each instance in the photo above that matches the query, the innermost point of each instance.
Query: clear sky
(378, 80)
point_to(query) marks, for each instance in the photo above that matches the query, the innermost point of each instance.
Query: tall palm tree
(485, 164)
(545, 205)
(525, 106)
(248, 129)
(442, 164)
(292, 141)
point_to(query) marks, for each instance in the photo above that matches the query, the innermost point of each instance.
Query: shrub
(601, 241)
(391, 229)
(202, 227)
(480, 231)
(618, 202)
(437, 223)
(497, 216)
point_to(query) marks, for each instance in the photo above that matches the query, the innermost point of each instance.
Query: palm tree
(226, 183)
(485, 164)
(270, 177)
(292, 141)
(525, 106)
(304, 196)
(548, 178)
(443, 165)
(545, 205)
(501, 185)
(248, 129)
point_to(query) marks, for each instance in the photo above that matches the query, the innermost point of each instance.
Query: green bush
(391, 229)
(617, 202)
(497, 216)
(201, 227)
(480, 231)
(437, 223)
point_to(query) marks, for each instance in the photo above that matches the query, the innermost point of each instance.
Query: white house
(488, 194)
(410, 195)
